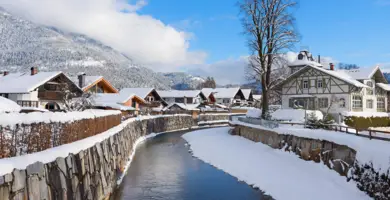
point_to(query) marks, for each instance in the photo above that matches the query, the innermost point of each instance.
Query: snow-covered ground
(375, 151)
(281, 174)
(295, 115)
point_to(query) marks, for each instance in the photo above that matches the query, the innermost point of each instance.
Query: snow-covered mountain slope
(24, 44)
(183, 81)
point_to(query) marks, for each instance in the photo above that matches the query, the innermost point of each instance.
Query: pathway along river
(164, 169)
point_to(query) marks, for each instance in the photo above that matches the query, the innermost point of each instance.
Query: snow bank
(366, 114)
(294, 115)
(254, 113)
(47, 117)
(7, 106)
(281, 174)
(367, 150)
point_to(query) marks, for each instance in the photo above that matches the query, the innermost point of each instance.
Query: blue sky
(348, 31)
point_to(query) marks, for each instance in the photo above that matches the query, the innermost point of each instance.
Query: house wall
(32, 96)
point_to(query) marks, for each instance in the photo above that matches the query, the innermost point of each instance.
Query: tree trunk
(264, 102)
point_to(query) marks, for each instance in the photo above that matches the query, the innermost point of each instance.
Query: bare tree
(269, 25)
(73, 101)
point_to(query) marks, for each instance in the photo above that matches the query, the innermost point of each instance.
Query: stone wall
(337, 157)
(213, 117)
(89, 174)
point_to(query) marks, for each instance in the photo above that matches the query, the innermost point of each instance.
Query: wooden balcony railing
(51, 95)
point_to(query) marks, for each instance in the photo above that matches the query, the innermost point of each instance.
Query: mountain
(183, 81)
(24, 44)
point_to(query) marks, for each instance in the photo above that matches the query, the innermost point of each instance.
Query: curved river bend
(164, 169)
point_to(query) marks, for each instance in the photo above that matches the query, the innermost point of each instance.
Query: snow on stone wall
(91, 173)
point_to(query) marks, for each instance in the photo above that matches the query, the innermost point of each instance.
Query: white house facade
(226, 96)
(182, 96)
(312, 86)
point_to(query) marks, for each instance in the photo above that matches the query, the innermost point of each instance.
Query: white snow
(49, 155)
(257, 97)
(24, 82)
(254, 113)
(183, 106)
(281, 174)
(7, 106)
(89, 80)
(366, 114)
(384, 86)
(213, 122)
(294, 115)
(12, 119)
(247, 93)
(367, 150)
(178, 93)
(141, 92)
(221, 92)
(34, 109)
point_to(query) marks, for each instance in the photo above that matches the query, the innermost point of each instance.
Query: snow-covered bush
(7, 106)
(375, 184)
(294, 115)
(254, 113)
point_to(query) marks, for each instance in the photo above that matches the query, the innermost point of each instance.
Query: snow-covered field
(280, 174)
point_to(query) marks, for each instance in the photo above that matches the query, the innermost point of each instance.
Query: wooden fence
(29, 138)
(349, 130)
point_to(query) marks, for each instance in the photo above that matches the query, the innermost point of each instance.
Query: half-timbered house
(316, 87)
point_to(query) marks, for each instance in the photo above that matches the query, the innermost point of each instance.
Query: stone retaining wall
(89, 174)
(337, 157)
(213, 117)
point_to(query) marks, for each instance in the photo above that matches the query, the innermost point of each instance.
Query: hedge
(363, 123)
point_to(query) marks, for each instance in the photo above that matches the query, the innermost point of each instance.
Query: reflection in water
(164, 169)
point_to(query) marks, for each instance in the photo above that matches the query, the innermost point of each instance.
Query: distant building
(118, 101)
(226, 96)
(38, 89)
(248, 96)
(151, 97)
(94, 84)
(183, 96)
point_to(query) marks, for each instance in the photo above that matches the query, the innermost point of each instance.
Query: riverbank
(281, 174)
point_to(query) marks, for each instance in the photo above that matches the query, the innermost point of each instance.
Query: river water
(164, 169)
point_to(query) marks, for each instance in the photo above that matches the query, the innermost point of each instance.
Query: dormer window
(300, 56)
(369, 83)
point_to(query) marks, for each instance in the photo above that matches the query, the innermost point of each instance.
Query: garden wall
(33, 132)
(91, 173)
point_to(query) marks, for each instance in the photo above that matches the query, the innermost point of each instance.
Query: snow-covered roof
(112, 97)
(222, 92)
(246, 93)
(384, 86)
(257, 96)
(361, 73)
(184, 106)
(24, 82)
(305, 58)
(7, 106)
(178, 93)
(207, 91)
(141, 92)
(113, 106)
(89, 80)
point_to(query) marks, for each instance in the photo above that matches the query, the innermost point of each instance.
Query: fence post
(346, 130)
(356, 131)
(369, 133)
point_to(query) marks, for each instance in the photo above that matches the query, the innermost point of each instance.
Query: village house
(94, 84)
(248, 96)
(317, 87)
(41, 90)
(150, 95)
(118, 101)
(226, 96)
(183, 96)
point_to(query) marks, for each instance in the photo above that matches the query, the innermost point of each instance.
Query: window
(323, 102)
(179, 100)
(342, 103)
(380, 104)
(319, 84)
(4, 95)
(305, 84)
(369, 83)
(356, 101)
(369, 103)
(28, 103)
(134, 103)
(226, 100)
(150, 98)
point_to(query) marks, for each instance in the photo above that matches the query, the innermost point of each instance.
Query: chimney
(319, 58)
(34, 70)
(331, 66)
(81, 78)
(5, 73)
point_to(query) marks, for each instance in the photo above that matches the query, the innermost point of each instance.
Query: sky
(204, 37)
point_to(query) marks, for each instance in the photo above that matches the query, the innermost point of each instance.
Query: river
(164, 169)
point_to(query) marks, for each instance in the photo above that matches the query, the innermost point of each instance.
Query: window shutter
(323, 83)
(309, 83)
(315, 83)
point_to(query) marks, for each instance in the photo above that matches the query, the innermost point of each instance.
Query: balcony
(51, 95)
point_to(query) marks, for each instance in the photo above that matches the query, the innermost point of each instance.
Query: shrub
(363, 123)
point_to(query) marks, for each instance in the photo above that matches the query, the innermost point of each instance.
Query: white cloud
(146, 40)
(229, 71)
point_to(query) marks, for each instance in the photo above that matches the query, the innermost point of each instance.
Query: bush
(375, 184)
(363, 123)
